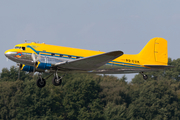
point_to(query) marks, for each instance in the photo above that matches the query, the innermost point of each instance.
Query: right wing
(89, 63)
(131, 70)
(159, 66)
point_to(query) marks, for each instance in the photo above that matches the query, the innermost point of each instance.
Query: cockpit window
(23, 48)
(17, 47)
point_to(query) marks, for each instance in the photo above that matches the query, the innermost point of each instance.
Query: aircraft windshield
(17, 47)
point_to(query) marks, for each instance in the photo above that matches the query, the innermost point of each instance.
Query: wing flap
(90, 63)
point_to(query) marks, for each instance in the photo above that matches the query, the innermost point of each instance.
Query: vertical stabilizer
(155, 52)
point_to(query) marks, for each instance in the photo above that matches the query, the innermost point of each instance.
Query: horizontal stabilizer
(89, 63)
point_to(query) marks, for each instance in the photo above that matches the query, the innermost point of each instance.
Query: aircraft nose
(7, 53)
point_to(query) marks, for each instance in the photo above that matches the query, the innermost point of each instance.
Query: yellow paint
(22, 66)
(161, 54)
(154, 53)
(37, 64)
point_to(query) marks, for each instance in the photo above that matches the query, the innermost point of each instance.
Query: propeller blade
(19, 70)
(33, 57)
(19, 74)
(35, 60)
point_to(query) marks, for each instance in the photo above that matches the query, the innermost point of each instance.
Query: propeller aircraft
(41, 57)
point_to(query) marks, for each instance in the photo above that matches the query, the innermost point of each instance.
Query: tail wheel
(41, 82)
(57, 81)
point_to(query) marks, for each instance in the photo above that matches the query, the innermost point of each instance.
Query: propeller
(35, 61)
(19, 69)
(34, 57)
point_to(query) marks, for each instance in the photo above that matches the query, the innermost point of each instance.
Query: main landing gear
(145, 77)
(41, 82)
(57, 80)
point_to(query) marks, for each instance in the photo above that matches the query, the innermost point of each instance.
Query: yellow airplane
(41, 57)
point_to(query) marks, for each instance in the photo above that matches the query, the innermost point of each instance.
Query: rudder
(155, 52)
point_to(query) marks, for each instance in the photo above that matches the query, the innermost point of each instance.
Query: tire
(56, 82)
(41, 83)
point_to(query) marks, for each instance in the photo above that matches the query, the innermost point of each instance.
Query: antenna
(27, 41)
(31, 41)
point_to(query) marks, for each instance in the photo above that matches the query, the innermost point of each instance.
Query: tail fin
(155, 52)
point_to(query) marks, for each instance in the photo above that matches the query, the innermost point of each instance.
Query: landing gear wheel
(145, 77)
(41, 82)
(57, 81)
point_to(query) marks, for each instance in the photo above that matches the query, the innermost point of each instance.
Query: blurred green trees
(91, 97)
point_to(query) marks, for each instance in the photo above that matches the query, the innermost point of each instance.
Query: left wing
(89, 63)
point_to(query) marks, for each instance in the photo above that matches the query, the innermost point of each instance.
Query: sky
(104, 25)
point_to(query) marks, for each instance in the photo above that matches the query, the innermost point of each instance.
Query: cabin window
(77, 57)
(60, 55)
(52, 54)
(23, 48)
(42, 59)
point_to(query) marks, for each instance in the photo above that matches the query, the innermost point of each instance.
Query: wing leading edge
(89, 63)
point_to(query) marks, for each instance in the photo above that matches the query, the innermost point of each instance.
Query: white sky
(104, 25)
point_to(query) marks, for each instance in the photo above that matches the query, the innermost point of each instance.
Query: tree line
(91, 97)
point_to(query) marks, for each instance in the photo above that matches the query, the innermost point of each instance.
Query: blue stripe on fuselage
(113, 62)
(28, 46)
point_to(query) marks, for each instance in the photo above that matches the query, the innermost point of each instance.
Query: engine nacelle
(43, 66)
(26, 68)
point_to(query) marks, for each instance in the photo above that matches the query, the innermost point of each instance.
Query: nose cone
(7, 53)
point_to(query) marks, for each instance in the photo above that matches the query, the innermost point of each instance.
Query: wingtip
(116, 53)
